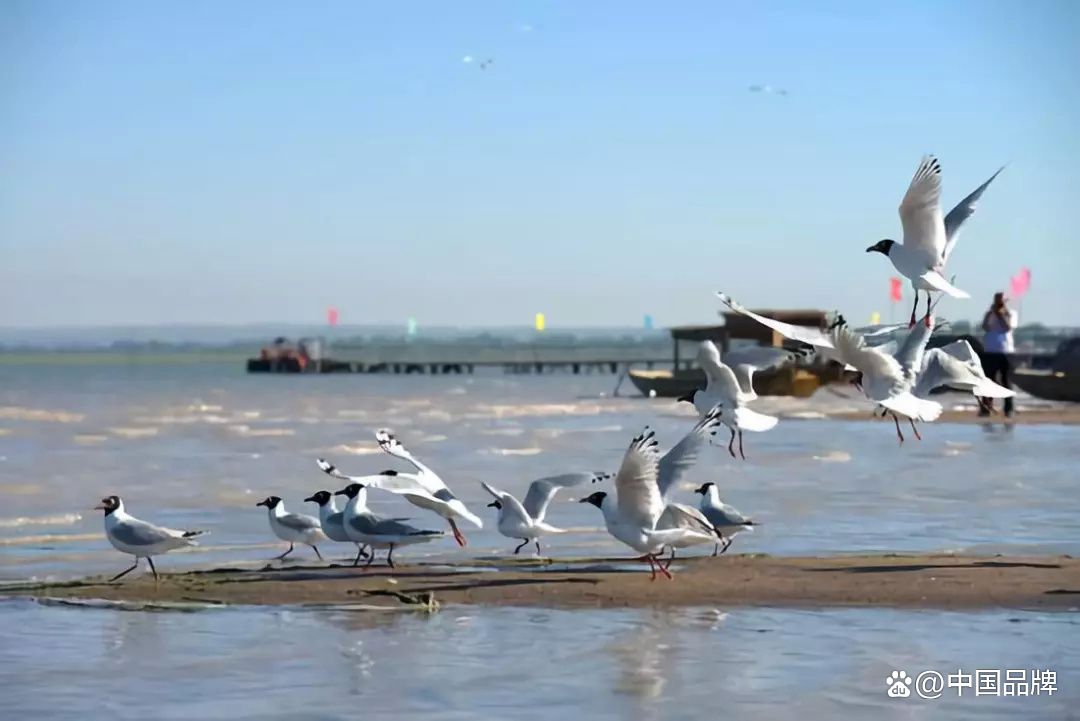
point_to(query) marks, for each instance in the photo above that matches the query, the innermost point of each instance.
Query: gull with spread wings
(734, 388)
(929, 238)
(633, 514)
(423, 489)
(525, 521)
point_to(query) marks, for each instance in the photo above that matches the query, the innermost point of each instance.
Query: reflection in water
(511, 663)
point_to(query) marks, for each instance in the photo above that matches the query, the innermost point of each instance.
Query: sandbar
(896, 581)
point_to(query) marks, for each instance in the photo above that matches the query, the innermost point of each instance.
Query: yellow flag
(875, 319)
(539, 321)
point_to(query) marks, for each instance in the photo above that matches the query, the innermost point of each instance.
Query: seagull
(722, 516)
(138, 538)
(525, 521)
(883, 379)
(363, 526)
(332, 521)
(292, 527)
(929, 239)
(733, 389)
(423, 488)
(631, 516)
(817, 337)
(485, 64)
(767, 89)
(958, 366)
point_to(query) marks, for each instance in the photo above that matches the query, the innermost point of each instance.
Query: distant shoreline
(938, 581)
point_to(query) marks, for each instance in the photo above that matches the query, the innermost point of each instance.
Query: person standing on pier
(998, 326)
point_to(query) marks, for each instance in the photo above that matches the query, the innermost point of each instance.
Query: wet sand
(1069, 416)
(907, 581)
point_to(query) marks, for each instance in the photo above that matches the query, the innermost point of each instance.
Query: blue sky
(257, 161)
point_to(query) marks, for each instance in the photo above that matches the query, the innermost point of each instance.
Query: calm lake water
(199, 445)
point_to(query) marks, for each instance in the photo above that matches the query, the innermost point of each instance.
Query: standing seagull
(138, 538)
(722, 516)
(525, 521)
(363, 526)
(733, 389)
(423, 488)
(632, 515)
(292, 527)
(929, 239)
(332, 521)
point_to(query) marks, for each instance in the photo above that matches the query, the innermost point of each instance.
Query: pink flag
(1020, 283)
(331, 316)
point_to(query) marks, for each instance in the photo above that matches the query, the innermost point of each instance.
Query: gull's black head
(882, 246)
(270, 502)
(704, 488)
(688, 398)
(320, 497)
(350, 490)
(597, 499)
(108, 505)
(494, 504)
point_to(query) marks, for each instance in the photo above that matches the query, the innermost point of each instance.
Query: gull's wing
(542, 490)
(721, 379)
(680, 515)
(510, 504)
(683, 455)
(920, 212)
(803, 334)
(962, 351)
(637, 494)
(766, 356)
(944, 369)
(888, 347)
(331, 470)
(870, 331)
(963, 210)
(937, 281)
(134, 532)
(910, 355)
(299, 522)
(852, 349)
(389, 443)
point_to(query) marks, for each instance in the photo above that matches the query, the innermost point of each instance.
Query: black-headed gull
(733, 389)
(525, 521)
(631, 516)
(333, 521)
(292, 527)
(363, 526)
(724, 518)
(883, 378)
(929, 238)
(423, 489)
(140, 539)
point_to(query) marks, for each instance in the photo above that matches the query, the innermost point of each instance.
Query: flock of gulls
(897, 377)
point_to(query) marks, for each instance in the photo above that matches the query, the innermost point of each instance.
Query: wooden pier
(575, 366)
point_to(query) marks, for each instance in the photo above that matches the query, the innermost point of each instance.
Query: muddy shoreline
(893, 581)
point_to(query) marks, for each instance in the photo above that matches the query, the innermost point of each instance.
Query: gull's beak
(100, 507)
(871, 249)
(341, 493)
(583, 500)
(261, 503)
(493, 504)
(310, 499)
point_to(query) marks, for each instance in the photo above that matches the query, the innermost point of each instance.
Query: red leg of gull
(652, 566)
(912, 422)
(731, 444)
(663, 570)
(898, 433)
(740, 445)
(457, 534)
(915, 307)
